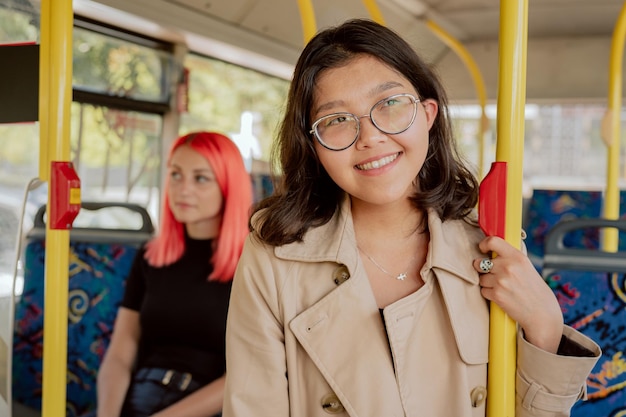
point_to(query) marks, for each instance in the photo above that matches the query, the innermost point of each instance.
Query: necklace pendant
(401, 276)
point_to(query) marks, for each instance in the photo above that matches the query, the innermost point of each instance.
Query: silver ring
(485, 265)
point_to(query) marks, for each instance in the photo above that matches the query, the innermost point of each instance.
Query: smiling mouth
(378, 163)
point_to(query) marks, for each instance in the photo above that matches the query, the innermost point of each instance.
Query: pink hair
(236, 187)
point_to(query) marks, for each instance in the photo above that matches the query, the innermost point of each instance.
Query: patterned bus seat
(591, 288)
(101, 254)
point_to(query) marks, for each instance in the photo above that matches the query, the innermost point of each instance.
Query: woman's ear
(431, 108)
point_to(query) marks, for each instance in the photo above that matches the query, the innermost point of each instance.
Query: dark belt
(168, 377)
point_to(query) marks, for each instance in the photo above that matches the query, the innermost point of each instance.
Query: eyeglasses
(391, 115)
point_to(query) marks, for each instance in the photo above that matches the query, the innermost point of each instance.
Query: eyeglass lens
(391, 115)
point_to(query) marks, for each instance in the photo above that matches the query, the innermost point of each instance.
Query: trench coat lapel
(467, 309)
(343, 333)
(344, 336)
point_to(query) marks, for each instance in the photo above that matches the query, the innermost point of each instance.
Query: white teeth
(377, 164)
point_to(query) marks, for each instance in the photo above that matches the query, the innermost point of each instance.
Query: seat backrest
(548, 207)
(591, 288)
(103, 244)
(559, 255)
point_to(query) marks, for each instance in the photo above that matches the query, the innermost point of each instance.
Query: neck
(203, 230)
(399, 220)
(391, 234)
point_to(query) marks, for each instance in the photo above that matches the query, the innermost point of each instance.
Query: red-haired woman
(166, 356)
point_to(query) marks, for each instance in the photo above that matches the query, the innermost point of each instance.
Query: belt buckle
(185, 381)
(167, 378)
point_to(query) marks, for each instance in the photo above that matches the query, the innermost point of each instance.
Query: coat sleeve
(256, 373)
(548, 385)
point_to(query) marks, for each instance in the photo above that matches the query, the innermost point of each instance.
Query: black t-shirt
(182, 314)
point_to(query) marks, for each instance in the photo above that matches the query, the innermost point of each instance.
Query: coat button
(341, 275)
(331, 404)
(478, 395)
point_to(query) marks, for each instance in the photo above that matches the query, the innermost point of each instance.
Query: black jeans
(154, 389)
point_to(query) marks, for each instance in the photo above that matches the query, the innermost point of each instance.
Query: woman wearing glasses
(363, 289)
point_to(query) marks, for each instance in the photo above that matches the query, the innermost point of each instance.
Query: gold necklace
(400, 277)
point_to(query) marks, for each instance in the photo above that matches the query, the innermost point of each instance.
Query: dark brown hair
(305, 194)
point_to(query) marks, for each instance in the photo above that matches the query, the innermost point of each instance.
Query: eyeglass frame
(313, 130)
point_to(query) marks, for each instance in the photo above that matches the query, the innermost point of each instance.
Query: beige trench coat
(305, 336)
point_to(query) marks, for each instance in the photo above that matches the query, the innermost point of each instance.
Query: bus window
(117, 154)
(234, 100)
(131, 68)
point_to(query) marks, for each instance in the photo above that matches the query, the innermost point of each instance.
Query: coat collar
(453, 236)
(336, 242)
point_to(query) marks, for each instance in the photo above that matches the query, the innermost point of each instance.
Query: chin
(181, 218)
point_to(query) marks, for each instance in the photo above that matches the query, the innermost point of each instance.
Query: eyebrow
(195, 171)
(388, 85)
(203, 171)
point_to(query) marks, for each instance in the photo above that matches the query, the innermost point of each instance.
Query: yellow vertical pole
(611, 197)
(510, 149)
(374, 11)
(55, 99)
(307, 16)
(479, 85)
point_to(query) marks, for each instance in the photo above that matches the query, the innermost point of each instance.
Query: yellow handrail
(613, 136)
(307, 16)
(510, 149)
(479, 85)
(374, 11)
(54, 118)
